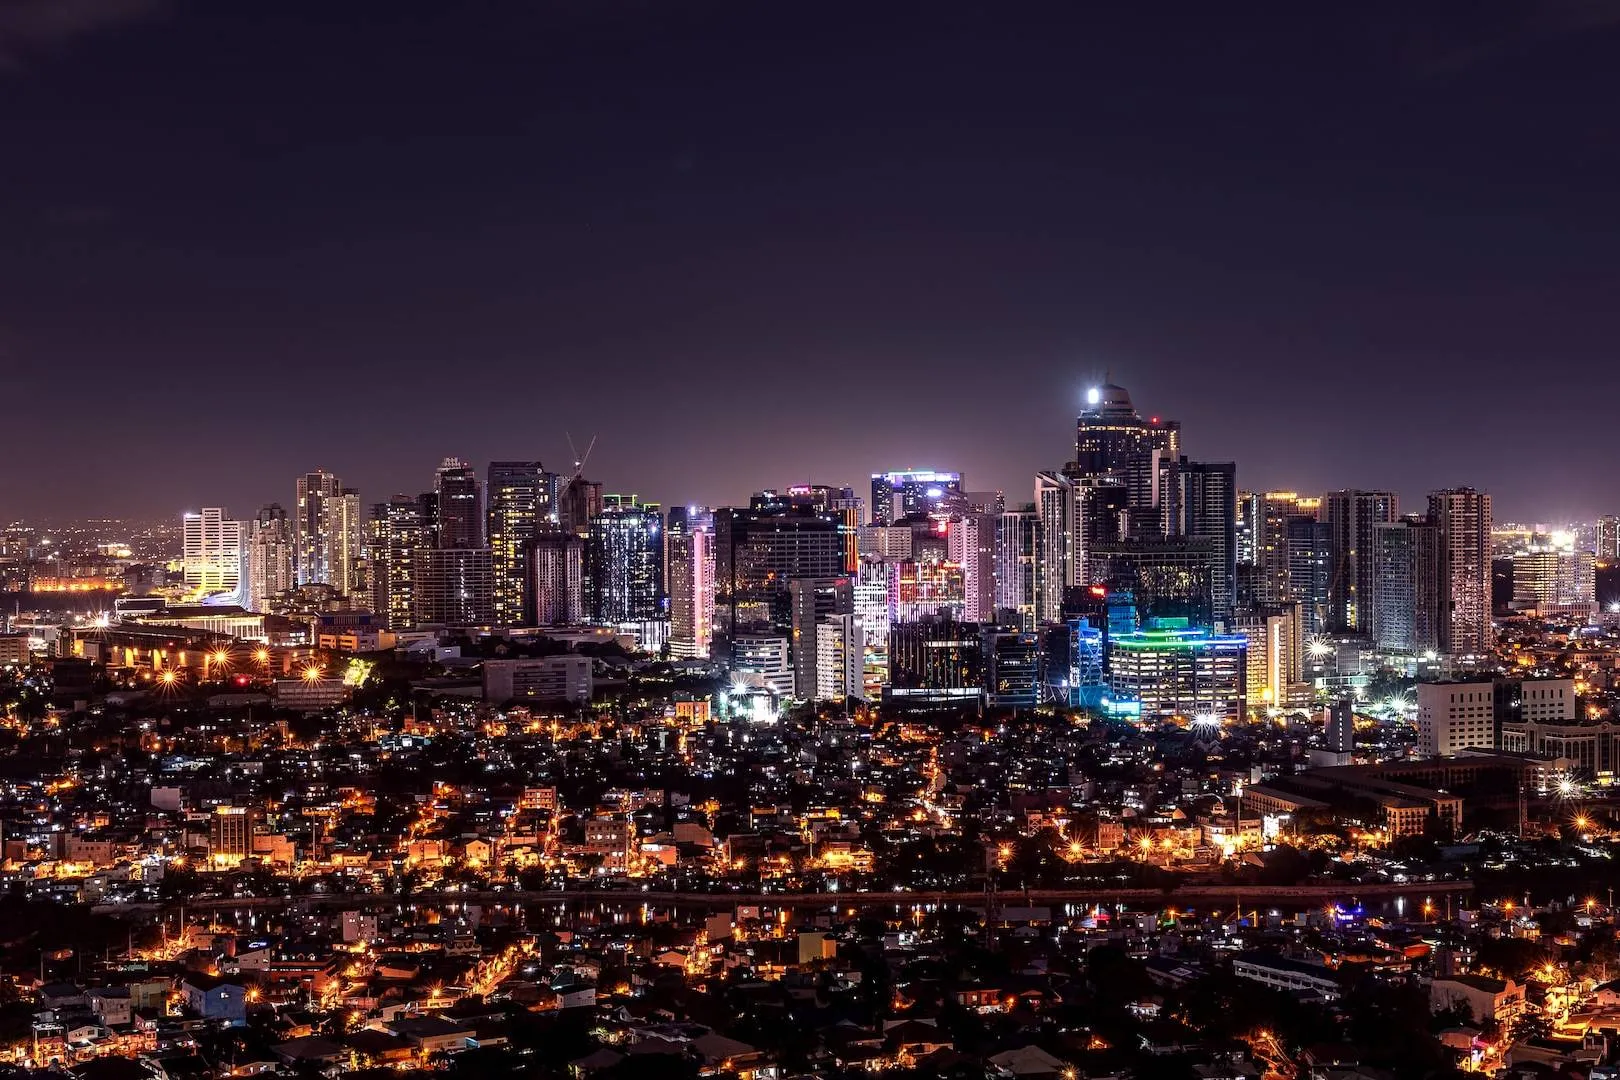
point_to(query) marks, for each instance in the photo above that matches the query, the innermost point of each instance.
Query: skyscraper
(1608, 539)
(971, 544)
(813, 602)
(270, 556)
(521, 497)
(452, 586)
(212, 556)
(921, 491)
(397, 533)
(557, 580)
(1208, 506)
(1406, 612)
(1463, 517)
(327, 530)
(460, 505)
(1277, 511)
(1109, 433)
(1054, 544)
(1309, 546)
(1352, 516)
(758, 550)
(624, 562)
(689, 542)
(1015, 564)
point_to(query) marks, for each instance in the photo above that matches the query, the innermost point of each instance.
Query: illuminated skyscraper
(1274, 562)
(920, 491)
(689, 541)
(1554, 581)
(557, 580)
(1208, 508)
(1352, 517)
(270, 556)
(1015, 563)
(624, 562)
(760, 549)
(1608, 539)
(213, 556)
(815, 604)
(521, 499)
(452, 586)
(327, 529)
(1463, 517)
(397, 534)
(460, 505)
(1406, 612)
(971, 544)
(1109, 433)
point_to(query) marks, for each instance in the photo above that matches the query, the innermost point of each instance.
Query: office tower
(1109, 433)
(520, 501)
(1277, 511)
(270, 556)
(452, 586)
(397, 533)
(230, 834)
(1608, 539)
(1248, 527)
(984, 502)
(1168, 577)
(1176, 670)
(1463, 517)
(758, 550)
(212, 556)
(689, 540)
(1309, 544)
(1015, 564)
(557, 580)
(460, 505)
(871, 592)
(1339, 726)
(624, 562)
(971, 544)
(578, 502)
(810, 600)
(1352, 516)
(763, 658)
(1456, 716)
(920, 491)
(1406, 596)
(921, 589)
(327, 530)
(1208, 507)
(1553, 581)
(935, 662)
(1012, 667)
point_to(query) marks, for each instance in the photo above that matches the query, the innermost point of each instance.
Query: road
(1191, 895)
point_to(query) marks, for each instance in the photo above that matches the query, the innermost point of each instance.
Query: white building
(212, 555)
(840, 653)
(763, 660)
(1455, 716)
(691, 587)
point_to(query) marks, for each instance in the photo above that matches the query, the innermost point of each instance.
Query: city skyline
(1336, 245)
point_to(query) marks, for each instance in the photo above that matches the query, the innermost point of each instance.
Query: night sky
(760, 243)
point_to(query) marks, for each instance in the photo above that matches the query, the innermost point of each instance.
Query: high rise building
(270, 556)
(1054, 544)
(327, 529)
(397, 533)
(453, 586)
(1171, 669)
(521, 498)
(758, 550)
(1208, 507)
(1352, 518)
(1168, 577)
(1276, 511)
(1015, 564)
(624, 562)
(920, 491)
(689, 541)
(1406, 597)
(1608, 539)
(1109, 433)
(1456, 716)
(1463, 517)
(1273, 655)
(1550, 581)
(840, 652)
(1309, 545)
(460, 505)
(1248, 527)
(971, 544)
(578, 502)
(935, 662)
(811, 600)
(557, 580)
(1339, 727)
(212, 559)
